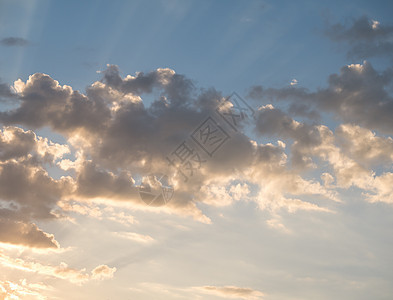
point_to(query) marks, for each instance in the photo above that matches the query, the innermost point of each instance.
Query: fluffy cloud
(19, 233)
(103, 272)
(45, 103)
(364, 145)
(16, 143)
(117, 136)
(351, 153)
(358, 94)
(27, 191)
(381, 189)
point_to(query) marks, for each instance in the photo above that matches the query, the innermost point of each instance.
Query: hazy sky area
(196, 150)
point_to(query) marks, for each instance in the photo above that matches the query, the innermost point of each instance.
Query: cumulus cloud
(27, 191)
(358, 94)
(103, 272)
(349, 150)
(115, 136)
(364, 145)
(45, 103)
(119, 136)
(381, 189)
(365, 37)
(16, 143)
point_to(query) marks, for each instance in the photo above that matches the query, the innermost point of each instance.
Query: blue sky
(227, 44)
(96, 96)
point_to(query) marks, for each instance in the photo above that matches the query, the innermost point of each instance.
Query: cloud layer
(124, 128)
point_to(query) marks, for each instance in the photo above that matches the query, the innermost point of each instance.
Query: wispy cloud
(365, 37)
(14, 42)
(232, 292)
(61, 271)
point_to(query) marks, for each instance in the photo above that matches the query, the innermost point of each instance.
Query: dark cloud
(365, 38)
(14, 42)
(117, 129)
(5, 92)
(27, 234)
(358, 94)
(303, 110)
(95, 182)
(176, 88)
(45, 103)
(118, 136)
(275, 122)
(31, 188)
(27, 191)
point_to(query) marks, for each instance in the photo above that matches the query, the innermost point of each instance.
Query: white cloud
(231, 292)
(11, 290)
(61, 271)
(137, 237)
(103, 272)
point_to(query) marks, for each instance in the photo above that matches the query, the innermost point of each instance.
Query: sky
(196, 149)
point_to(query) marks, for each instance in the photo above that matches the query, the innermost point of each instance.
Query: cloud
(381, 189)
(93, 182)
(294, 82)
(16, 143)
(61, 271)
(137, 237)
(27, 191)
(14, 42)
(31, 189)
(351, 152)
(19, 233)
(103, 272)
(364, 145)
(200, 292)
(365, 37)
(312, 142)
(5, 92)
(358, 94)
(112, 127)
(45, 103)
(117, 136)
(13, 290)
(231, 292)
